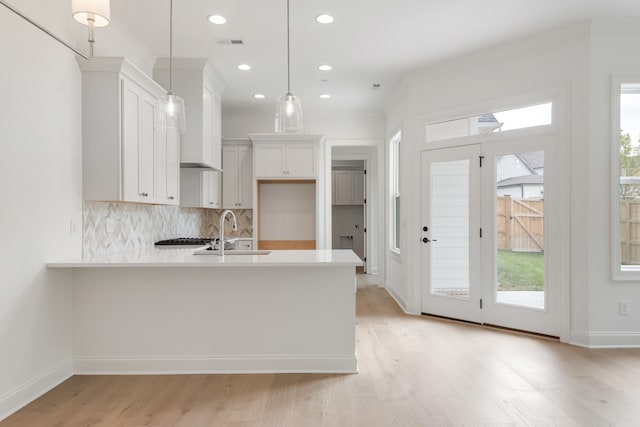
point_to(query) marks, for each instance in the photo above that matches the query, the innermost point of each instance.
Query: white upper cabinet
(199, 85)
(286, 156)
(348, 187)
(237, 177)
(200, 189)
(124, 157)
(168, 167)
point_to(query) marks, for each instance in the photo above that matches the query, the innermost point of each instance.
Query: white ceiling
(371, 41)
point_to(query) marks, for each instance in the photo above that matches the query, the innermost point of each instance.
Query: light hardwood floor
(414, 371)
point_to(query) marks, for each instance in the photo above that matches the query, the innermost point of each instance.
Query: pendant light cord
(171, 46)
(288, 54)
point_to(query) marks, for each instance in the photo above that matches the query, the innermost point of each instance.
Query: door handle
(427, 240)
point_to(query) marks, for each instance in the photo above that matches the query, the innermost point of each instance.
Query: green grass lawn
(520, 271)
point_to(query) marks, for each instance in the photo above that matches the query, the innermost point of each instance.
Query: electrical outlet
(624, 308)
(110, 225)
(73, 226)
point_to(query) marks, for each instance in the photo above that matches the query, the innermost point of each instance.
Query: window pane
(397, 225)
(630, 174)
(497, 121)
(520, 229)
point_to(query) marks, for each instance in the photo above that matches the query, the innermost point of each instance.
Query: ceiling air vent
(231, 41)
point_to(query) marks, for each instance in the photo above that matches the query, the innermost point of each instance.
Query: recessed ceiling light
(324, 19)
(325, 67)
(217, 19)
(259, 96)
(244, 67)
(325, 96)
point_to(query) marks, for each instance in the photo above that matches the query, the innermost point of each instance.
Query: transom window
(496, 121)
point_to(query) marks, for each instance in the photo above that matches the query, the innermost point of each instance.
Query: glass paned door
(450, 232)
(522, 251)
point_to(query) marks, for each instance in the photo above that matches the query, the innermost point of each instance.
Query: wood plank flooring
(414, 371)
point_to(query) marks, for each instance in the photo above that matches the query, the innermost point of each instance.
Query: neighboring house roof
(488, 123)
(521, 180)
(533, 159)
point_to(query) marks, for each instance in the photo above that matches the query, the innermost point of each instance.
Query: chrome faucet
(234, 227)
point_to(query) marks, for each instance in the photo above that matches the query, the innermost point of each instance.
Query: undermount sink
(209, 251)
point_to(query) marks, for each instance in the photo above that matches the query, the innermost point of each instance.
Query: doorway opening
(348, 207)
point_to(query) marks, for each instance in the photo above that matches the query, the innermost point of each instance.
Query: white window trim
(618, 271)
(394, 183)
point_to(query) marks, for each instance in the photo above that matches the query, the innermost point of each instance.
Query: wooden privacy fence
(630, 231)
(520, 224)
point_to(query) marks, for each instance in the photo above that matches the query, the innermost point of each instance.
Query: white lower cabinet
(243, 244)
(125, 158)
(200, 189)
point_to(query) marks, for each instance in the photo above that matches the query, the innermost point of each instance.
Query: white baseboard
(29, 391)
(605, 339)
(215, 365)
(397, 298)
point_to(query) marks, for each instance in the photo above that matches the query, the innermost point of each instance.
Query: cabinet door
(131, 106)
(269, 160)
(344, 190)
(207, 126)
(138, 143)
(211, 189)
(230, 177)
(168, 167)
(216, 132)
(147, 159)
(357, 196)
(245, 177)
(173, 166)
(301, 161)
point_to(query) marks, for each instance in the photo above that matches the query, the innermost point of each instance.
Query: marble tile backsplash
(244, 218)
(114, 227)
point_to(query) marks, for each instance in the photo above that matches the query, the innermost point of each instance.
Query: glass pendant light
(289, 107)
(172, 111)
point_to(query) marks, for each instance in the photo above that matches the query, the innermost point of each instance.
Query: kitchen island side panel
(232, 320)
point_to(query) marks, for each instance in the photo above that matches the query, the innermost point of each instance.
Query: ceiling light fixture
(259, 96)
(172, 110)
(217, 19)
(325, 96)
(289, 107)
(244, 67)
(93, 13)
(325, 67)
(324, 19)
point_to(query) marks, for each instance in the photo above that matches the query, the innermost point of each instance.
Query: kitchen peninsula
(169, 311)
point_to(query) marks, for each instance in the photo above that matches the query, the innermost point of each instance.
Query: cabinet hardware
(144, 194)
(171, 198)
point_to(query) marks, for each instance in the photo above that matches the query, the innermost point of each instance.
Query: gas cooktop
(186, 241)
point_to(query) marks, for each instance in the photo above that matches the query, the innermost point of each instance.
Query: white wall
(556, 62)
(610, 54)
(40, 174)
(577, 62)
(345, 220)
(40, 178)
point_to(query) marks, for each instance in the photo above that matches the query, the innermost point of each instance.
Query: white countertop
(183, 257)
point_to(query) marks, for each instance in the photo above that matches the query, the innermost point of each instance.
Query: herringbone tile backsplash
(138, 226)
